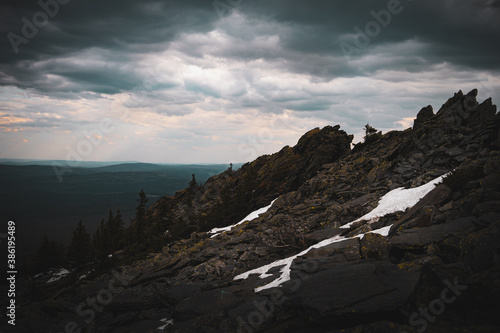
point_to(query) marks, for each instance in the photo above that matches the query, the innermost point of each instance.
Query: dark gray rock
(205, 303)
(424, 115)
(455, 151)
(322, 234)
(478, 249)
(483, 115)
(432, 199)
(374, 246)
(472, 93)
(426, 236)
(329, 255)
(366, 287)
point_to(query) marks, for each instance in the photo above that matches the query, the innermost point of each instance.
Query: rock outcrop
(231, 195)
(436, 266)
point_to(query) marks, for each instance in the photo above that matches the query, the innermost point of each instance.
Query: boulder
(374, 246)
(426, 236)
(362, 288)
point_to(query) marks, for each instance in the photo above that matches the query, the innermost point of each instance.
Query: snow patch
(167, 322)
(85, 275)
(396, 200)
(287, 262)
(252, 216)
(382, 231)
(58, 275)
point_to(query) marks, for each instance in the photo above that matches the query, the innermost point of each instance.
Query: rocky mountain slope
(432, 267)
(231, 195)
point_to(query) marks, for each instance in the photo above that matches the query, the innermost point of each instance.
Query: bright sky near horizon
(225, 81)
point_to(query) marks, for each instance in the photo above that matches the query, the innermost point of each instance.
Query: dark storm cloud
(124, 25)
(431, 19)
(123, 28)
(462, 33)
(54, 76)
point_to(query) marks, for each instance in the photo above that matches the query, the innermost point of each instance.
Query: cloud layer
(190, 81)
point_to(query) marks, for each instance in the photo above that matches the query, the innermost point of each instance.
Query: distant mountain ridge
(33, 195)
(80, 164)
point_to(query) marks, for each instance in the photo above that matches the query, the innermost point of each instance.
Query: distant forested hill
(40, 204)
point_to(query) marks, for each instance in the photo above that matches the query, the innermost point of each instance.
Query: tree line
(110, 239)
(113, 242)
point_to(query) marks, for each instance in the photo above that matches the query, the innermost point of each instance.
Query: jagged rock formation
(438, 269)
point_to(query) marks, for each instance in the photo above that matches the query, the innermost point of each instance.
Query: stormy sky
(225, 81)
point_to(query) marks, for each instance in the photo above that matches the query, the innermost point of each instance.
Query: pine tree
(140, 221)
(117, 232)
(96, 242)
(105, 236)
(111, 220)
(101, 248)
(49, 255)
(371, 134)
(193, 183)
(79, 248)
(111, 232)
(369, 130)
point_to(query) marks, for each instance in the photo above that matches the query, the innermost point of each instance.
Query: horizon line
(28, 160)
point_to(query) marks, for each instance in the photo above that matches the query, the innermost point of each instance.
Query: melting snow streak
(396, 200)
(252, 216)
(58, 275)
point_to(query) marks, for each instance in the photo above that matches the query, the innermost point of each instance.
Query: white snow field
(396, 200)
